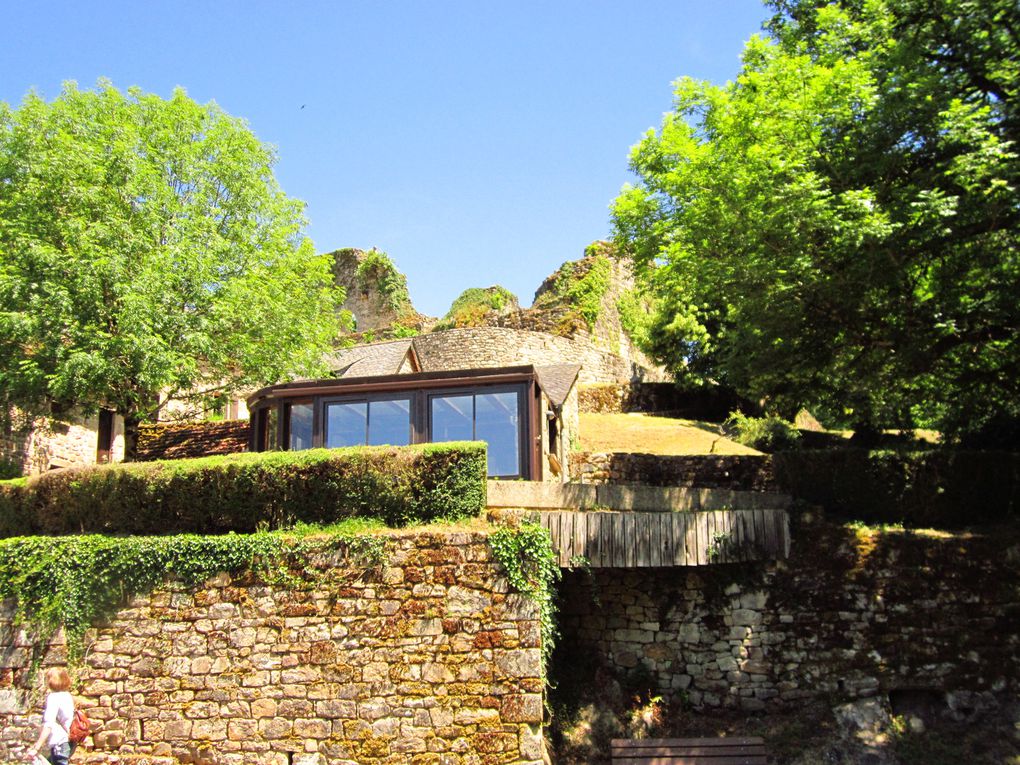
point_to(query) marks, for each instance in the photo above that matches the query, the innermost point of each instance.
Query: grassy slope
(654, 435)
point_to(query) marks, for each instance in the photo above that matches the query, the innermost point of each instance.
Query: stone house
(31, 444)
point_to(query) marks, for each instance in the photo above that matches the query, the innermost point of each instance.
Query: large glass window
(389, 422)
(267, 428)
(496, 423)
(300, 425)
(346, 424)
(383, 421)
(489, 417)
(453, 418)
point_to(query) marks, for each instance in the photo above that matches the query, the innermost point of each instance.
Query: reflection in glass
(346, 424)
(300, 426)
(269, 428)
(496, 423)
(452, 418)
(389, 422)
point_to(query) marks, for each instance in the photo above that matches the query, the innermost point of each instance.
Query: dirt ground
(808, 736)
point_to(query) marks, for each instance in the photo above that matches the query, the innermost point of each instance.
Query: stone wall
(477, 347)
(850, 614)
(739, 472)
(370, 306)
(424, 659)
(38, 444)
(713, 404)
(171, 441)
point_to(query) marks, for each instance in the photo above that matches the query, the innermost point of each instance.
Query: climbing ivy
(637, 311)
(527, 557)
(583, 284)
(377, 270)
(69, 582)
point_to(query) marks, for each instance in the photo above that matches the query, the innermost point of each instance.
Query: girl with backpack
(58, 715)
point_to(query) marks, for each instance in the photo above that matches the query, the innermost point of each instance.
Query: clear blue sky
(476, 142)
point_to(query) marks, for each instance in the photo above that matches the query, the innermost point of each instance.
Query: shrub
(767, 434)
(246, 492)
(940, 489)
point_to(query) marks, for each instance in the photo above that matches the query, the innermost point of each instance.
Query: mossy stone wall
(851, 614)
(426, 658)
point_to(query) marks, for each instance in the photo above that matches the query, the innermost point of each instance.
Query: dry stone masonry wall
(739, 472)
(476, 347)
(849, 615)
(424, 659)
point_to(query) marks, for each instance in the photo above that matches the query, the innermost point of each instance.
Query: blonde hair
(57, 679)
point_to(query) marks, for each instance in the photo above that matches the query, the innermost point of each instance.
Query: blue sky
(477, 143)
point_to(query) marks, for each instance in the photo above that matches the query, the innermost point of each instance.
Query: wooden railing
(637, 539)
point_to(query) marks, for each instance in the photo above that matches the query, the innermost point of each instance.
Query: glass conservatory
(504, 407)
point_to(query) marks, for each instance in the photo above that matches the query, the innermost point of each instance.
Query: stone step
(666, 499)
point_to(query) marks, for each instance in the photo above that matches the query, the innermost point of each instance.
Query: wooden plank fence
(636, 540)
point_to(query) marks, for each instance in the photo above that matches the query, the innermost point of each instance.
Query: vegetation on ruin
(376, 271)
(473, 305)
(637, 309)
(586, 287)
(578, 287)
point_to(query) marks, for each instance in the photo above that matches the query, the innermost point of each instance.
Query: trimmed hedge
(941, 489)
(247, 492)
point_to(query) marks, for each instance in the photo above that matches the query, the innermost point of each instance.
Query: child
(57, 716)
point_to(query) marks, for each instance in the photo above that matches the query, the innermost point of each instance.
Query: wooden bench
(688, 751)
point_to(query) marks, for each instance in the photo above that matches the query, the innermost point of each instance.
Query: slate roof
(384, 358)
(390, 357)
(557, 380)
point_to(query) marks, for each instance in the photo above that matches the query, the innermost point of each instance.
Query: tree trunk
(131, 423)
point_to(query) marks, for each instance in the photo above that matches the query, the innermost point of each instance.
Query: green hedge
(247, 492)
(941, 489)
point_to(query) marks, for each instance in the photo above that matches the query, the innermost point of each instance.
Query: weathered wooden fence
(636, 539)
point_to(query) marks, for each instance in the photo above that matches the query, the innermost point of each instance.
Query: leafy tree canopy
(838, 227)
(147, 249)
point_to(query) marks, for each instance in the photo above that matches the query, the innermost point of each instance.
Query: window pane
(268, 436)
(346, 424)
(300, 426)
(451, 418)
(496, 423)
(389, 422)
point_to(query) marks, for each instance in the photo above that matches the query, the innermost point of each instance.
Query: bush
(246, 492)
(767, 434)
(940, 489)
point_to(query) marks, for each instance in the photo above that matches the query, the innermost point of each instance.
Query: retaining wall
(424, 659)
(849, 614)
(738, 472)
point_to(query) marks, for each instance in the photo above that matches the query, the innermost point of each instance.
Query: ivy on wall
(581, 285)
(68, 582)
(377, 270)
(526, 555)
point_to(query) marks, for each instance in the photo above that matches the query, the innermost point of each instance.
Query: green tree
(147, 251)
(838, 227)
